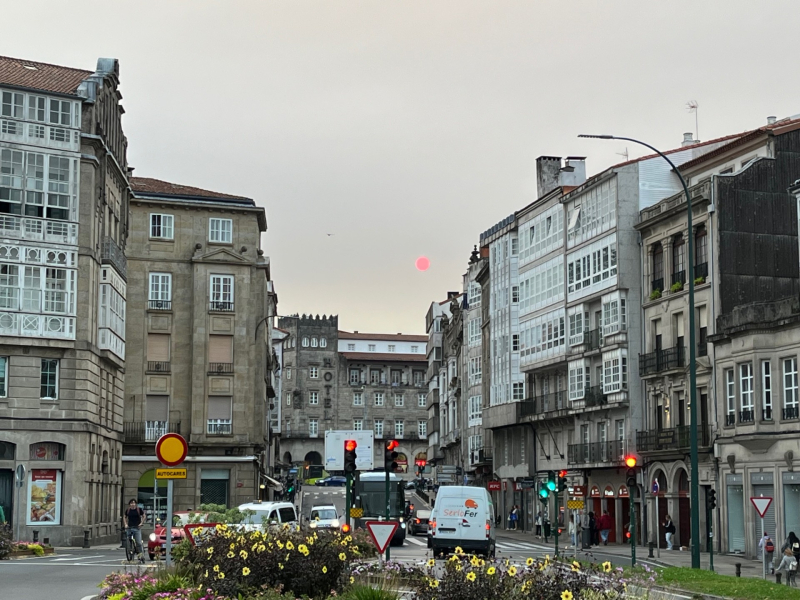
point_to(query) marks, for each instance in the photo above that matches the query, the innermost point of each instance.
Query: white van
(463, 516)
(268, 513)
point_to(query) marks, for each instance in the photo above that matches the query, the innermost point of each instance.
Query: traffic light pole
(710, 521)
(388, 502)
(348, 500)
(555, 497)
(633, 531)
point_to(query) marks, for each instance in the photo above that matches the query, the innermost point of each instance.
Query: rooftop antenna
(693, 106)
(625, 154)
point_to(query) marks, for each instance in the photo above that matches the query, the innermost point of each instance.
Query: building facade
(199, 334)
(339, 380)
(63, 226)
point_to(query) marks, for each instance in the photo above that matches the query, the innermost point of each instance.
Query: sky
(406, 128)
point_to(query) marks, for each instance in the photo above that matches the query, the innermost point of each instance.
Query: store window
(214, 486)
(44, 497)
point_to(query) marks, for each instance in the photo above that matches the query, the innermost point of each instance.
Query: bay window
(790, 401)
(614, 313)
(746, 392)
(578, 324)
(615, 371)
(578, 376)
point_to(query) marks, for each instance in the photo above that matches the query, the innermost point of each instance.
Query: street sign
(575, 504)
(334, 448)
(762, 504)
(381, 533)
(577, 490)
(528, 483)
(171, 449)
(356, 512)
(656, 487)
(170, 473)
(20, 473)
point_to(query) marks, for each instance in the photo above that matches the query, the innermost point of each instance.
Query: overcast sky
(406, 128)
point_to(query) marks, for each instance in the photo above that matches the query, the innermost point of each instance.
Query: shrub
(36, 549)
(218, 513)
(655, 294)
(699, 280)
(676, 287)
(139, 586)
(6, 541)
(368, 592)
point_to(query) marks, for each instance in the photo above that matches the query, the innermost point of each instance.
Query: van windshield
(258, 517)
(323, 514)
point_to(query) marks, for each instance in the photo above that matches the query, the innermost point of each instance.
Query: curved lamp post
(694, 492)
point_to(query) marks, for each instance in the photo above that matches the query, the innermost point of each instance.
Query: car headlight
(401, 519)
(313, 525)
(335, 523)
(402, 525)
(152, 537)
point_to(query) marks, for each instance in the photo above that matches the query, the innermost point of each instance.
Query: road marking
(415, 541)
(75, 558)
(505, 546)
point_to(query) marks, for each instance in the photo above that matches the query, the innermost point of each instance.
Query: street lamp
(694, 493)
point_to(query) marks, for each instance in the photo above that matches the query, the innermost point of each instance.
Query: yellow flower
(566, 595)
(210, 551)
(576, 567)
(324, 569)
(352, 580)
(280, 566)
(512, 570)
(216, 568)
(279, 544)
(233, 546)
(607, 567)
(342, 556)
(431, 562)
(286, 527)
(221, 576)
(458, 567)
(302, 548)
(245, 571)
(206, 574)
(529, 562)
(527, 586)
(491, 571)
(459, 550)
(434, 583)
(470, 576)
(243, 554)
(253, 549)
(231, 555)
(453, 558)
(289, 545)
(474, 561)
(481, 562)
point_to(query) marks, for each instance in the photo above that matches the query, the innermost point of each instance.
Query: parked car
(418, 523)
(265, 514)
(332, 481)
(463, 517)
(157, 542)
(323, 516)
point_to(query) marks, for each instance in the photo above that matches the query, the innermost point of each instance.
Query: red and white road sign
(381, 533)
(762, 504)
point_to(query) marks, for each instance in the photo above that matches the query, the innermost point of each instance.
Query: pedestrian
(539, 524)
(790, 564)
(572, 532)
(606, 525)
(669, 528)
(767, 547)
(134, 518)
(513, 518)
(792, 543)
(593, 540)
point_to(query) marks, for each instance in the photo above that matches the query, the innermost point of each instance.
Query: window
(61, 112)
(37, 107)
(3, 377)
(289, 373)
(614, 313)
(314, 342)
(595, 214)
(620, 429)
(358, 399)
(378, 398)
(517, 391)
(313, 372)
(160, 290)
(220, 353)
(422, 429)
(222, 292)
(399, 429)
(701, 245)
(578, 372)
(313, 427)
(414, 349)
(323, 343)
(790, 388)
(474, 332)
(399, 400)
(161, 226)
(351, 347)
(49, 379)
(678, 260)
(313, 398)
(358, 425)
(378, 428)
(730, 397)
(592, 268)
(475, 367)
(766, 391)
(515, 342)
(288, 398)
(158, 351)
(422, 400)
(372, 347)
(514, 246)
(746, 391)
(219, 415)
(578, 325)
(474, 295)
(543, 337)
(542, 285)
(12, 105)
(474, 410)
(355, 376)
(374, 376)
(220, 230)
(305, 342)
(658, 267)
(514, 294)
(615, 371)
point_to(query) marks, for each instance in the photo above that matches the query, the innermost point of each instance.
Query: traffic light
(551, 481)
(345, 528)
(544, 493)
(350, 456)
(390, 456)
(631, 461)
(562, 480)
(711, 499)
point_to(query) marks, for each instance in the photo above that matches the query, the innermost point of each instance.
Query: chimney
(547, 174)
(688, 139)
(574, 171)
(771, 120)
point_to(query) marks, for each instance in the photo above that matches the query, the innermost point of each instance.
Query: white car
(324, 516)
(268, 514)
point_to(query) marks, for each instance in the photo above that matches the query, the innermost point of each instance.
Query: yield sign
(762, 504)
(381, 533)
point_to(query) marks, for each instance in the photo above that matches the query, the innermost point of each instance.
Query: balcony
(219, 427)
(679, 277)
(220, 368)
(159, 304)
(542, 405)
(113, 255)
(594, 396)
(790, 412)
(661, 360)
(481, 456)
(672, 439)
(730, 419)
(766, 413)
(39, 230)
(596, 452)
(747, 416)
(657, 285)
(288, 434)
(593, 339)
(158, 366)
(219, 306)
(147, 431)
(701, 270)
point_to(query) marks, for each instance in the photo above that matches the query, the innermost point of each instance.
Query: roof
(389, 337)
(384, 357)
(41, 76)
(147, 186)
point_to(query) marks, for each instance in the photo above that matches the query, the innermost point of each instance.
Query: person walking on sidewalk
(790, 564)
(792, 543)
(539, 524)
(606, 525)
(513, 517)
(767, 547)
(573, 534)
(669, 528)
(593, 539)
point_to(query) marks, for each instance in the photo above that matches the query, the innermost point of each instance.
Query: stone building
(333, 380)
(200, 358)
(451, 424)
(63, 226)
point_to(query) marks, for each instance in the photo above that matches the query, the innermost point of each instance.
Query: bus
(313, 472)
(370, 495)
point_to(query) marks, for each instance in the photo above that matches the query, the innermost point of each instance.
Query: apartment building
(334, 380)
(63, 228)
(199, 334)
(450, 385)
(433, 376)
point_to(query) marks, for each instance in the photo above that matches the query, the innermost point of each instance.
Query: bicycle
(130, 546)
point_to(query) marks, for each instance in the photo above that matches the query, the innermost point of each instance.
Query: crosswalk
(507, 546)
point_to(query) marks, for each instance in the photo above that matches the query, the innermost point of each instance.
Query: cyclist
(134, 519)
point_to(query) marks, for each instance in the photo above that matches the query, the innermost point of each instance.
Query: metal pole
(694, 488)
(763, 553)
(658, 529)
(19, 508)
(168, 523)
(633, 531)
(347, 498)
(388, 502)
(710, 520)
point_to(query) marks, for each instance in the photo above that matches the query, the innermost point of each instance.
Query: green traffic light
(551, 485)
(544, 493)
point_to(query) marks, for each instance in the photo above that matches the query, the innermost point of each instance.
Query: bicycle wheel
(130, 548)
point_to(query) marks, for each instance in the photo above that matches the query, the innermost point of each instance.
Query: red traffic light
(420, 462)
(392, 444)
(350, 445)
(628, 534)
(630, 461)
(562, 474)
(345, 528)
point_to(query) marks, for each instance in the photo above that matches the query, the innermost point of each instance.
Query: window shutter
(220, 349)
(157, 347)
(156, 409)
(219, 407)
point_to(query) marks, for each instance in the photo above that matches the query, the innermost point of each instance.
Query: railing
(594, 396)
(674, 438)
(148, 431)
(159, 304)
(217, 368)
(219, 427)
(766, 413)
(790, 412)
(657, 285)
(543, 404)
(41, 230)
(113, 255)
(679, 277)
(593, 339)
(46, 326)
(747, 416)
(158, 366)
(596, 452)
(482, 455)
(661, 360)
(701, 270)
(218, 306)
(294, 434)
(730, 419)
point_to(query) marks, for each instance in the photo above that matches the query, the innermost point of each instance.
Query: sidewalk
(724, 564)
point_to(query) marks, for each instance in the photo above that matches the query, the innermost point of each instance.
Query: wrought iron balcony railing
(673, 438)
(661, 360)
(135, 432)
(596, 452)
